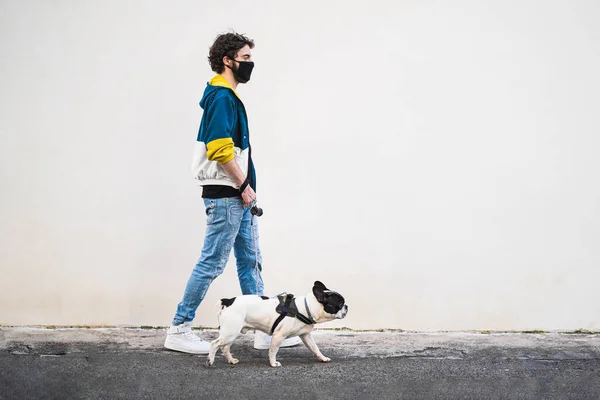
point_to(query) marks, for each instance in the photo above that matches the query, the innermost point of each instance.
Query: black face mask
(243, 71)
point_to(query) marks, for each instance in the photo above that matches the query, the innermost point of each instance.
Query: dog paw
(233, 361)
(276, 364)
(325, 359)
(208, 363)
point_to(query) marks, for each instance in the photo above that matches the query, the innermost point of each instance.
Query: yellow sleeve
(220, 150)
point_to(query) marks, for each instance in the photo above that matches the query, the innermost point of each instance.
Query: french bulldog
(247, 312)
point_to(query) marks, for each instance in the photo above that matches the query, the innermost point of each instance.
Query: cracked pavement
(131, 363)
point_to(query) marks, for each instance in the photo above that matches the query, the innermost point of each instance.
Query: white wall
(436, 162)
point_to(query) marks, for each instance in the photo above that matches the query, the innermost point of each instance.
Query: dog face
(333, 303)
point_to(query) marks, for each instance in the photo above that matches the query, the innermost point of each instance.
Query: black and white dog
(279, 316)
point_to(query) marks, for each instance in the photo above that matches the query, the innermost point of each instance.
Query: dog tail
(223, 304)
(227, 302)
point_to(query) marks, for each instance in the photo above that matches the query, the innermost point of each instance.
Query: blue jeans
(228, 225)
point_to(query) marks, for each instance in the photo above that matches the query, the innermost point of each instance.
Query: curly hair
(227, 44)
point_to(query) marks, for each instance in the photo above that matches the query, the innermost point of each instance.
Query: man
(223, 166)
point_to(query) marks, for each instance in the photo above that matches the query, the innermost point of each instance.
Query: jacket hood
(213, 85)
(208, 93)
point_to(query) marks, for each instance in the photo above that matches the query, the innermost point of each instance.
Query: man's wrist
(244, 185)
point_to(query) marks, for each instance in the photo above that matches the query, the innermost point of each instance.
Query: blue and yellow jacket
(222, 137)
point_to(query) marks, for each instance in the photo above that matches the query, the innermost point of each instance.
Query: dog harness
(287, 308)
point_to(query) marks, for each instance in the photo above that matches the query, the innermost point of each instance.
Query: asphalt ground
(132, 364)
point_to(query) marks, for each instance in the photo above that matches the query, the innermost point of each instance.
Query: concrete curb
(350, 344)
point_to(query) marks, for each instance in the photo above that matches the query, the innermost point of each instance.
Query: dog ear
(318, 291)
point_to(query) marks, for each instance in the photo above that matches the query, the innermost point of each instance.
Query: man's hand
(233, 170)
(248, 196)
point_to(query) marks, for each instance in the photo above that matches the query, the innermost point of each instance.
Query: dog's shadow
(243, 349)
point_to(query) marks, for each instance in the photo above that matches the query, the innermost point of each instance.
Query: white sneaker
(181, 338)
(262, 341)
